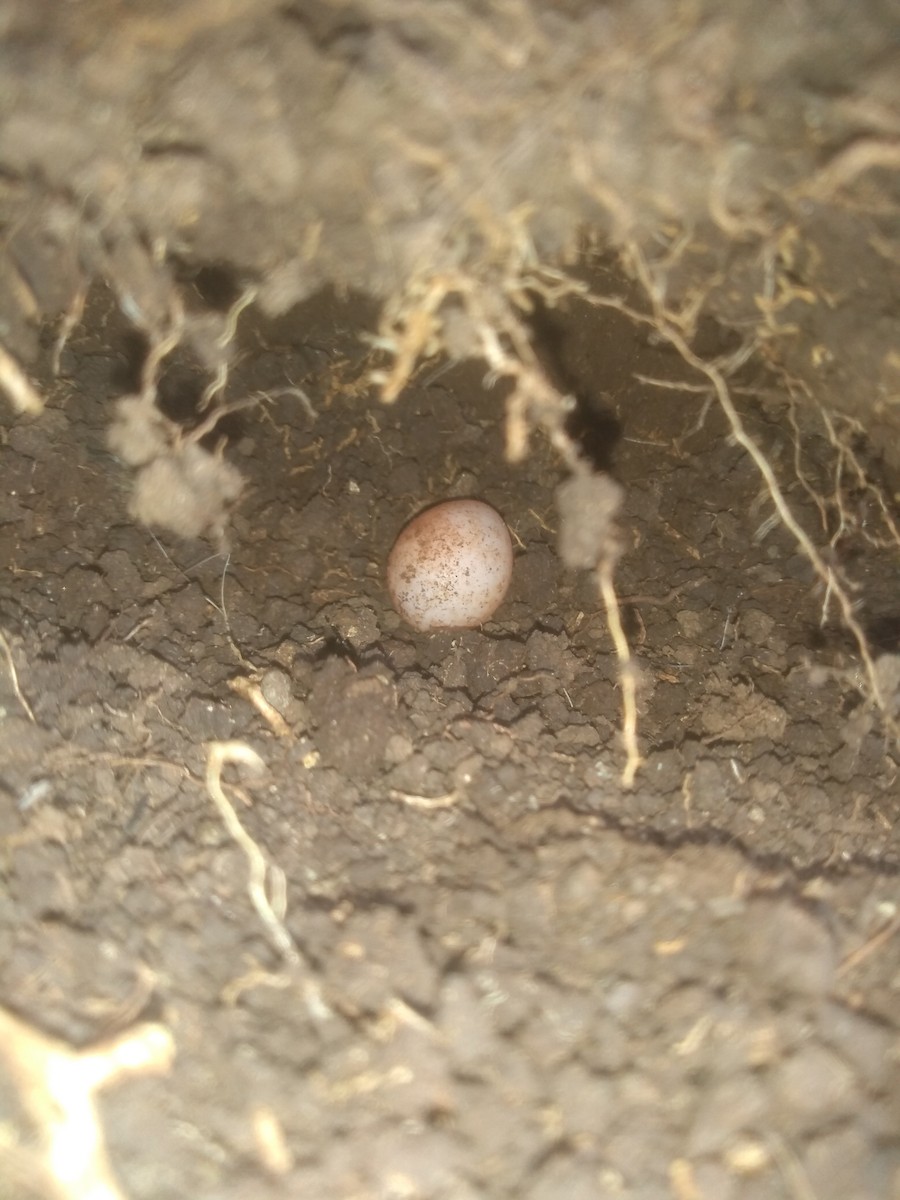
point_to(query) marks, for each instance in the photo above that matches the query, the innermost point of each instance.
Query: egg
(451, 566)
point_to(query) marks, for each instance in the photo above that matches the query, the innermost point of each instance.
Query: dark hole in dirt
(592, 425)
(215, 287)
(884, 633)
(181, 388)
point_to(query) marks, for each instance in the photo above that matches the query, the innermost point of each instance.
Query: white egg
(451, 566)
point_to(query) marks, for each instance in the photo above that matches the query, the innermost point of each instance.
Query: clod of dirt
(188, 491)
(587, 505)
(451, 566)
(139, 432)
(355, 713)
(180, 485)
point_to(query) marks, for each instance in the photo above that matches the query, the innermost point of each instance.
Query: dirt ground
(504, 975)
(298, 902)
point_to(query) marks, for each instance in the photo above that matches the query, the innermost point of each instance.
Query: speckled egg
(451, 566)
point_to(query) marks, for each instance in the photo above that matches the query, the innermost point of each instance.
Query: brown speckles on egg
(451, 566)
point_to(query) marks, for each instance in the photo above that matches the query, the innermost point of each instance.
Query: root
(849, 476)
(22, 393)
(860, 156)
(261, 873)
(57, 1087)
(14, 678)
(627, 674)
(834, 584)
(179, 484)
(265, 878)
(675, 328)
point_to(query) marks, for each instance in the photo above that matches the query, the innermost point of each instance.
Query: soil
(299, 902)
(504, 975)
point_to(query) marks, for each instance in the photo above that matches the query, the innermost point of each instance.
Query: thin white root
(834, 585)
(22, 393)
(14, 678)
(425, 802)
(219, 382)
(672, 327)
(265, 878)
(70, 320)
(261, 872)
(627, 680)
(57, 1087)
(860, 156)
(250, 691)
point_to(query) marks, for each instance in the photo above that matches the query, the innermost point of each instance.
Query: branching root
(57, 1086)
(671, 327)
(266, 886)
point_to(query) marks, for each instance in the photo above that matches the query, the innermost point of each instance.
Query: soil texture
(476, 965)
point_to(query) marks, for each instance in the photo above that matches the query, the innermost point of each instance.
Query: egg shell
(451, 566)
